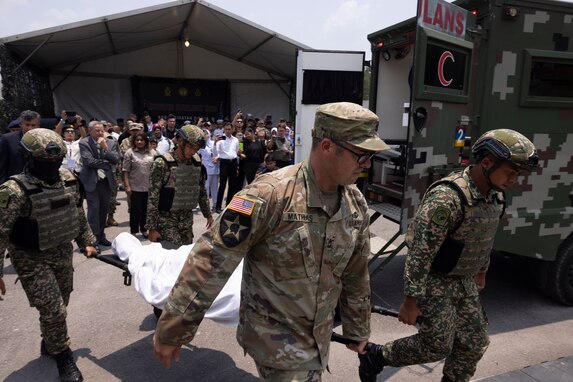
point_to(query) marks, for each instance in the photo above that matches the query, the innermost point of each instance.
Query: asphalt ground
(111, 328)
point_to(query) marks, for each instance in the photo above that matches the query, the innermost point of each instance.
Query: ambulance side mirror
(419, 117)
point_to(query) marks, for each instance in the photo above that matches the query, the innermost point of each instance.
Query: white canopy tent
(91, 63)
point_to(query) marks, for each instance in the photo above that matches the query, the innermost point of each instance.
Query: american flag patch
(242, 205)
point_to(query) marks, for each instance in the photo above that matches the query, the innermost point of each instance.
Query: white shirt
(207, 159)
(73, 159)
(164, 145)
(227, 148)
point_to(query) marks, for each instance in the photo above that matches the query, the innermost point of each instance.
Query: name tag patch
(298, 217)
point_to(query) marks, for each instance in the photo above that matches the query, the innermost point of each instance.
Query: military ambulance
(443, 78)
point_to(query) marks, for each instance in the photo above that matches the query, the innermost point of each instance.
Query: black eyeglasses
(361, 158)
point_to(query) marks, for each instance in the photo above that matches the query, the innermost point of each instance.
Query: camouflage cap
(348, 122)
(43, 144)
(193, 135)
(135, 126)
(509, 145)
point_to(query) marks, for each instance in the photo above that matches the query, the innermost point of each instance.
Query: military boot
(371, 363)
(111, 221)
(445, 378)
(67, 368)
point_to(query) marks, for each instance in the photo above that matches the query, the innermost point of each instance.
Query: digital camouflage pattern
(499, 80)
(508, 145)
(453, 328)
(46, 276)
(426, 233)
(176, 225)
(193, 135)
(268, 374)
(297, 259)
(348, 122)
(454, 325)
(44, 144)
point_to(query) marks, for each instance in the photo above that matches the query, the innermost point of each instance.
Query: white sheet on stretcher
(154, 271)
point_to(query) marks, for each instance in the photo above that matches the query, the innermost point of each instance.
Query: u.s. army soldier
(303, 233)
(40, 214)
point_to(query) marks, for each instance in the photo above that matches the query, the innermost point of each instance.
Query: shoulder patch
(234, 227)
(4, 198)
(441, 216)
(242, 205)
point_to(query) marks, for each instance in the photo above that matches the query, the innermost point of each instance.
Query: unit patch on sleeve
(441, 216)
(234, 227)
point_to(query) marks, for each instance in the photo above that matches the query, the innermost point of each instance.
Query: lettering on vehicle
(298, 217)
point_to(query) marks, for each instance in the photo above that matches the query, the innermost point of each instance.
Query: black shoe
(67, 368)
(371, 363)
(105, 242)
(445, 378)
(218, 210)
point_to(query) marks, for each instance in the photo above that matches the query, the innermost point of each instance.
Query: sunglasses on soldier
(361, 158)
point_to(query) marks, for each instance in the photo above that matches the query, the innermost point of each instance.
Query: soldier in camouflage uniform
(303, 233)
(449, 241)
(40, 213)
(176, 185)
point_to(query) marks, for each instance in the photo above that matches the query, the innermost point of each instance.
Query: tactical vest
(53, 216)
(181, 191)
(471, 242)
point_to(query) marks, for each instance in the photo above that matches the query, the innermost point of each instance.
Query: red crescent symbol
(447, 54)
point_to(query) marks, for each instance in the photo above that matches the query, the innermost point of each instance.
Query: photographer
(281, 147)
(73, 120)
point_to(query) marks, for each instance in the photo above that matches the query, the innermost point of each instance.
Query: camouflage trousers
(268, 374)
(176, 226)
(454, 328)
(113, 196)
(47, 279)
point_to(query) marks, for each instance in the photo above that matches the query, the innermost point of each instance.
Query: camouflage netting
(28, 88)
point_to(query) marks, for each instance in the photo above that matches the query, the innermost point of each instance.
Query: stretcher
(153, 269)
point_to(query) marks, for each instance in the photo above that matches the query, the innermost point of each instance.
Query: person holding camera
(281, 147)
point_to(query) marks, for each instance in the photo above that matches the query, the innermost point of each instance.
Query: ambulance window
(324, 86)
(442, 67)
(551, 79)
(547, 79)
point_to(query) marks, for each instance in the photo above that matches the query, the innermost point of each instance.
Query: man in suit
(99, 155)
(11, 160)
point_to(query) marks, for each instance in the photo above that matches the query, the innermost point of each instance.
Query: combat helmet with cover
(192, 135)
(44, 150)
(508, 145)
(43, 144)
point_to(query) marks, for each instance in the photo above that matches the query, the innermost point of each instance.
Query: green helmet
(193, 135)
(43, 144)
(508, 145)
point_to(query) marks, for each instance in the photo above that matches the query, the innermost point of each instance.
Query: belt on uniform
(227, 160)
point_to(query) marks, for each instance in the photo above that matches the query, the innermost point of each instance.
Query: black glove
(371, 363)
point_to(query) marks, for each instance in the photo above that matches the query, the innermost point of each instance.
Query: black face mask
(47, 171)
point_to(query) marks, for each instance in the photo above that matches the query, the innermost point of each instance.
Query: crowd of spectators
(108, 156)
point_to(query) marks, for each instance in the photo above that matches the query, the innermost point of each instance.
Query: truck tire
(559, 274)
